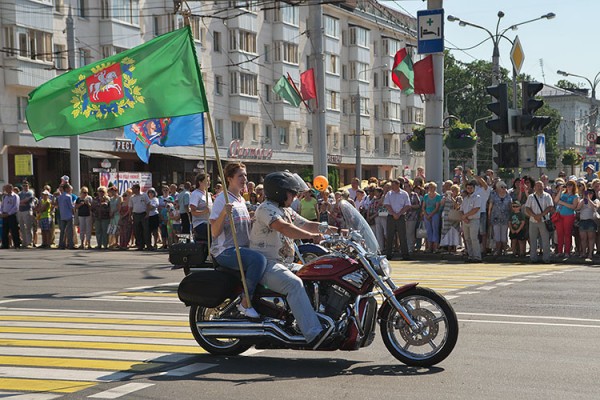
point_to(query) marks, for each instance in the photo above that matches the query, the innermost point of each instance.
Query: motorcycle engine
(334, 301)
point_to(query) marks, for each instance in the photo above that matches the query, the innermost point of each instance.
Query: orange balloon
(320, 183)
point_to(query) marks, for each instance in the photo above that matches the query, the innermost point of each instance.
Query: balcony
(285, 112)
(245, 106)
(361, 54)
(119, 34)
(390, 126)
(27, 73)
(285, 32)
(283, 69)
(392, 96)
(247, 21)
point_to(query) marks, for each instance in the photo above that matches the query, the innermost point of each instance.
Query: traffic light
(507, 154)
(528, 122)
(500, 108)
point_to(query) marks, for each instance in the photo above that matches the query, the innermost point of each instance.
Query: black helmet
(277, 184)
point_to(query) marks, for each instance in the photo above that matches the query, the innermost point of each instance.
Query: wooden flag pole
(186, 15)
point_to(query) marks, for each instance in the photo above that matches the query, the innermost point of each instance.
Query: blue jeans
(254, 265)
(433, 228)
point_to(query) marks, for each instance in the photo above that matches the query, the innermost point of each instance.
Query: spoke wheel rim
(208, 314)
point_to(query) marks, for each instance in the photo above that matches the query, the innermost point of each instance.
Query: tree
(567, 85)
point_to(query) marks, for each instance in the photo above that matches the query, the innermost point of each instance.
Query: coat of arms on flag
(111, 89)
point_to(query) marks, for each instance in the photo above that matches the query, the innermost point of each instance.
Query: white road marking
(188, 369)
(103, 339)
(29, 396)
(468, 292)
(145, 356)
(486, 287)
(530, 323)
(529, 316)
(504, 283)
(518, 280)
(120, 391)
(92, 314)
(62, 374)
(74, 325)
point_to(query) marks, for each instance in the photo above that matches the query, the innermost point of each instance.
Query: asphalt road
(77, 325)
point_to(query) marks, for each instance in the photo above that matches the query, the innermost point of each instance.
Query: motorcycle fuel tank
(327, 267)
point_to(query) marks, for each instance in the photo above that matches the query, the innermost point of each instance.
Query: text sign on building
(541, 151)
(23, 164)
(124, 145)
(430, 31)
(250, 153)
(125, 180)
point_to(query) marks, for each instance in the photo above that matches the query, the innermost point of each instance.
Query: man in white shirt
(354, 187)
(138, 203)
(484, 190)
(537, 207)
(201, 206)
(8, 212)
(397, 203)
(470, 208)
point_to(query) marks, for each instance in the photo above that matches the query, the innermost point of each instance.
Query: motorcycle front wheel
(216, 346)
(436, 336)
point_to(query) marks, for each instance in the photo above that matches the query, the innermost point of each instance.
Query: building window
(84, 57)
(21, 106)
(419, 115)
(219, 131)
(60, 53)
(254, 133)
(359, 36)
(332, 100)
(36, 45)
(196, 28)
(82, 8)
(286, 52)
(237, 130)
(9, 41)
(376, 111)
(392, 111)
(386, 146)
(309, 137)
(332, 27)
(359, 71)
(267, 53)
(217, 42)
(23, 45)
(385, 79)
(287, 14)
(104, 14)
(126, 11)
(298, 136)
(375, 79)
(218, 85)
(268, 134)
(58, 5)
(242, 83)
(332, 64)
(242, 41)
(283, 136)
(107, 51)
(390, 46)
(267, 93)
(344, 106)
(364, 106)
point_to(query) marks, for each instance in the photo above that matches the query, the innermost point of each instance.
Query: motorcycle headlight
(381, 265)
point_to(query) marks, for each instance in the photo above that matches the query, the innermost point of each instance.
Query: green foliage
(571, 157)
(567, 85)
(333, 176)
(416, 140)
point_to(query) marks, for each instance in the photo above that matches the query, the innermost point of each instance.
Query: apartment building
(243, 47)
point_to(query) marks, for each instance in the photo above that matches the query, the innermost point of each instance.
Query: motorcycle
(418, 326)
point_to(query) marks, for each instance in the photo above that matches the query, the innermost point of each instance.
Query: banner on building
(125, 180)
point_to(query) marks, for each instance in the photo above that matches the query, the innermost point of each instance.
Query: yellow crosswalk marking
(93, 320)
(80, 363)
(103, 346)
(40, 385)
(97, 332)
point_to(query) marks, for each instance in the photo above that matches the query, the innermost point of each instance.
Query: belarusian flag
(160, 78)
(402, 72)
(286, 91)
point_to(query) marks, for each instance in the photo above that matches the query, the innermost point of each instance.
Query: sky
(569, 42)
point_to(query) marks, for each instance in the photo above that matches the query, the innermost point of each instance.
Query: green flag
(287, 92)
(402, 71)
(160, 78)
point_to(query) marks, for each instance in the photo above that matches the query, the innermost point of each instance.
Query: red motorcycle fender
(398, 291)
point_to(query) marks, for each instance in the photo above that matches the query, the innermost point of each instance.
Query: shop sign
(124, 145)
(334, 158)
(23, 164)
(125, 180)
(237, 151)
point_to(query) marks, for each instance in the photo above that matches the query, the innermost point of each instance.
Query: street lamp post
(496, 51)
(475, 149)
(593, 103)
(446, 173)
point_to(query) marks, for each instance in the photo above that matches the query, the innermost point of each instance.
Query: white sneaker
(248, 312)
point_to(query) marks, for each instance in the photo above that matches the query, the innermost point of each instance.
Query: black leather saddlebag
(206, 287)
(189, 254)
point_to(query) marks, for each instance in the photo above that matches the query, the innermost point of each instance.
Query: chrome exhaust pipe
(233, 329)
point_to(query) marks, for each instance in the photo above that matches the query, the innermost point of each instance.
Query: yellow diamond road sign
(516, 55)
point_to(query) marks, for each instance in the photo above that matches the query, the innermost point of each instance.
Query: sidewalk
(508, 259)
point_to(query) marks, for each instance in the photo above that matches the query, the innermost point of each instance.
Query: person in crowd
(433, 203)
(45, 218)
(378, 213)
(358, 201)
(153, 219)
(484, 190)
(113, 224)
(587, 208)
(471, 220)
(590, 172)
(260, 192)
(308, 206)
(222, 246)
(450, 236)
(35, 220)
(538, 207)
(66, 207)
(83, 206)
(518, 237)
(101, 216)
(218, 190)
(125, 221)
(581, 189)
(397, 202)
(174, 226)
(138, 204)
(354, 185)
(173, 191)
(10, 224)
(412, 215)
(421, 173)
(184, 208)
(25, 214)
(565, 201)
(499, 208)
(201, 206)
(249, 190)
(276, 226)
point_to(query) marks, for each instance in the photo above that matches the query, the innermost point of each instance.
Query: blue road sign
(541, 151)
(430, 31)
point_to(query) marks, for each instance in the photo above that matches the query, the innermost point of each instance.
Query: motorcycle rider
(275, 228)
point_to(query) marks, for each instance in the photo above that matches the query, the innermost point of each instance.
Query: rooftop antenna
(542, 67)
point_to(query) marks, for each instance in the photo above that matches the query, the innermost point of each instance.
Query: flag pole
(207, 188)
(186, 19)
(299, 94)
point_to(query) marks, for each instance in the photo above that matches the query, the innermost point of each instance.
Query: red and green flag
(402, 72)
(287, 91)
(424, 82)
(160, 78)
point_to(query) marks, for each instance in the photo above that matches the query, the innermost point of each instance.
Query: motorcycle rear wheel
(436, 338)
(216, 346)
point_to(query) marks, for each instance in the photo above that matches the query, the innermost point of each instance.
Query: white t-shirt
(275, 246)
(241, 220)
(484, 196)
(138, 203)
(545, 201)
(154, 204)
(201, 201)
